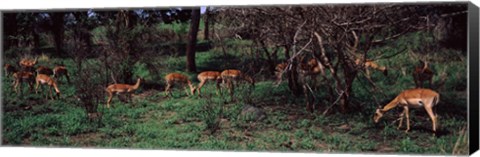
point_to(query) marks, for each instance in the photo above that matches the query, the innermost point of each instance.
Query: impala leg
(110, 96)
(200, 87)
(402, 115)
(232, 88)
(433, 117)
(368, 72)
(167, 89)
(185, 89)
(13, 83)
(408, 118)
(36, 87)
(15, 87)
(218, 88)
(30, 83)
(279, 78)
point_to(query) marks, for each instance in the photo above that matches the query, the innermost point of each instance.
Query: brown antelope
(61, 71)
(206, 76)
(43, 79)
(279, 69)
(9, 69)
(173, 79)
(23, 77)
(44, 70)
(422, 73)
(373, 65)
(28, 64)
(233, 76)
(412, 98)
(312, 69)
(121, 89)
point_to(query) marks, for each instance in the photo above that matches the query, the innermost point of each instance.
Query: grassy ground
(181, 122)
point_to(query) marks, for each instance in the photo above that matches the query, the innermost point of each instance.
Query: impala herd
(410, 98)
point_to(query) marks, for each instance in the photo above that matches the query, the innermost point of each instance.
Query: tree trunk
(292, 75)
(271, 64)
(82, 18)
(192, 40)
(206, 22)
(293, 81)
(350, 73)
(36, 40)
(58, 30)
(10, 28)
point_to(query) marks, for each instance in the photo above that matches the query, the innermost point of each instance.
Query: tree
(84, 26)
(206, 24)
(192, 40)
(10, 30)
(58, 27)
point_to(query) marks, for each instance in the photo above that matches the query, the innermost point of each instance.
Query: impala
(312, 69)
(279, 69)
(43, 79)
(27, 64)
(9, 69)
(44, 70)
(412, 98)
(232, 76)
(61, 71)
(422, 73)
(23, 77)
(371, 64)
(206, 76)
(173, 79)
(121, 89)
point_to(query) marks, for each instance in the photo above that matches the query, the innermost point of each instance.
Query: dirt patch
(27, 141)
(86, 139)
(146, 94)
(385, 149)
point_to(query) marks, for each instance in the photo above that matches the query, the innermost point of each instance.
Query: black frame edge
(473, 35)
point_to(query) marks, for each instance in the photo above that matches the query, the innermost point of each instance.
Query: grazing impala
(422, 73)
(61, 71)
(178, 79)
(27, 64)
(44, 70)
(412, 98)
(121, 89)
(206, 76)
(43, 79)
(371, 64)
(232, 76)
(312, 69)
(9, 69)
(23, 77)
